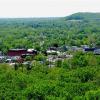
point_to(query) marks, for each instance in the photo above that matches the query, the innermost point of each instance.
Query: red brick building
(20, 52)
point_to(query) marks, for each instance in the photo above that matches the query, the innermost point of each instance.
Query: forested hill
(84, 16)
(31, 32)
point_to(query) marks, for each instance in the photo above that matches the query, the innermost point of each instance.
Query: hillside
(84, 16)
(30, 32)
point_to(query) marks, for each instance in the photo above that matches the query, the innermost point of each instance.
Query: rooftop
(16, 49)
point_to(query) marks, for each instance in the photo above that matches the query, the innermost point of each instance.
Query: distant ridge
(84, 16)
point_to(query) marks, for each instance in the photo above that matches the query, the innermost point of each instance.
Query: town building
(20, 52)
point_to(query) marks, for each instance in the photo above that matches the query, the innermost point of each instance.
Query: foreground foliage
(42, 83)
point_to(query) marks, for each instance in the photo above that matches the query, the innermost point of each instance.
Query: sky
(46, 8)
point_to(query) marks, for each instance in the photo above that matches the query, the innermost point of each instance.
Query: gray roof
(97, 51)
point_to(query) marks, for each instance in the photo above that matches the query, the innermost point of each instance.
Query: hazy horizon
(45, 8)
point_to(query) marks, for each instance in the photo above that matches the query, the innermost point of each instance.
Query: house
(2, 58)
(89, 49)
(53, 48)
(85, 46)
(15, 53)
(52, 52)
(63, 48)
(29, 52)
(8, 60)
(75, 48)
(97, 51)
